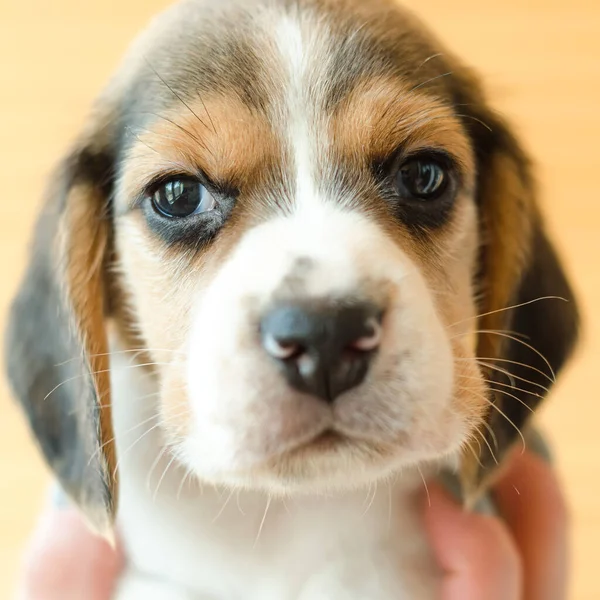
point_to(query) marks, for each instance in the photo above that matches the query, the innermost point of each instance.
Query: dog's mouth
(321, 443)
(328, 440)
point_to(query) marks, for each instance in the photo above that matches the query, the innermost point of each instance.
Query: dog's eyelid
(147, 188)
(441, 155)
(383, 167)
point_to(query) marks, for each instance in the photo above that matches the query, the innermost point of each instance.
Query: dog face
(310, 221)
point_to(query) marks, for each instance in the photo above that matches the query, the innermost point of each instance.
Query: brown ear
(529, 321)
(56, 341)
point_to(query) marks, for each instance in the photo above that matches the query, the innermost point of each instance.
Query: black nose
(323, 351)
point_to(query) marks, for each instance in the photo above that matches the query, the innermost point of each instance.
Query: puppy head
(315, 227)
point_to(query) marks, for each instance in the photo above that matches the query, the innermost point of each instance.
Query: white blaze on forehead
(319, 228)
(291, 46)
(303, 57)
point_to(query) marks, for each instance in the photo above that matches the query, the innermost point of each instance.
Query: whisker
(163, 476)
(471, 331)
(512, 377)
(113, 439)
(262, 523)
(75, 377)
(512, 307)
(515, 339)
(130, 131)
(177, 95)
(154, 465)
(185, 477)
(437, 55)
(505, 393)
(164, 136)
(476, 440)
(486, 442)
(116, 352)
(416, 87)
(438, 117)
(473, 452)
(531, 410)
(207, 113)
(132, 445)
(510, 374)
(191, 135)
(374, 488)
(501, 412)
(224, 506)
(237, 501)
(483, 365)
(426, 488)
(492, 435)
(494, 382)
(483, 123)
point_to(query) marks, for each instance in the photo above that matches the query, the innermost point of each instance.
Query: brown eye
(422, 179)
(178, 198)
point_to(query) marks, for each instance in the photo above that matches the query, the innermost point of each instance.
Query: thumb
(66, 561)
(475, 552)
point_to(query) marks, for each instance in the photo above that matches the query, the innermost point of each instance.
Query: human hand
(522, 557)
(66, 561)
(483, 558)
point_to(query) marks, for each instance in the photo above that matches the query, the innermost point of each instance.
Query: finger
(475, 552)
(65, 561)
(530, 500)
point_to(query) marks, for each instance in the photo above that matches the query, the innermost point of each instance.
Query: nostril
(282, 349)
(371, 339)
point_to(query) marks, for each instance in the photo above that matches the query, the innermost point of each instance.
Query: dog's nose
(323, 351)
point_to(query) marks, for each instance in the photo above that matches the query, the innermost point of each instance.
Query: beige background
(541, 58)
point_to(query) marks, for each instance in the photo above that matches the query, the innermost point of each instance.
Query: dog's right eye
(182, 197)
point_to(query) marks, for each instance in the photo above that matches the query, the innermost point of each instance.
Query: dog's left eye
(182, 197)
(422, 179)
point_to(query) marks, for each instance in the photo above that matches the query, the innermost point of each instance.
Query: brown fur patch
(381, 114)
(231, 144)
(82, 240)
(82, 252)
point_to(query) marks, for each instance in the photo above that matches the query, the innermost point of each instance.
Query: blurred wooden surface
(540, 58)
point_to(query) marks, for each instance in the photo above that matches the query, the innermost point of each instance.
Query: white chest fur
(188, 542)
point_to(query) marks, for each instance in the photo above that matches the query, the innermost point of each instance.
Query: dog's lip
(326, 440)
(333, 437)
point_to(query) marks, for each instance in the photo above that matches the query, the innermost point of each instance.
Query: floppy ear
(56, 341)
(529, 321)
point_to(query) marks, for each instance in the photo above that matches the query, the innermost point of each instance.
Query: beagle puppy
(293, 265)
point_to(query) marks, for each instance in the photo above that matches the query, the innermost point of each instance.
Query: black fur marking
(46, 363)
(550, 326)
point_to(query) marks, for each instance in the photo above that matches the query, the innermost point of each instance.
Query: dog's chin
(328, 463)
